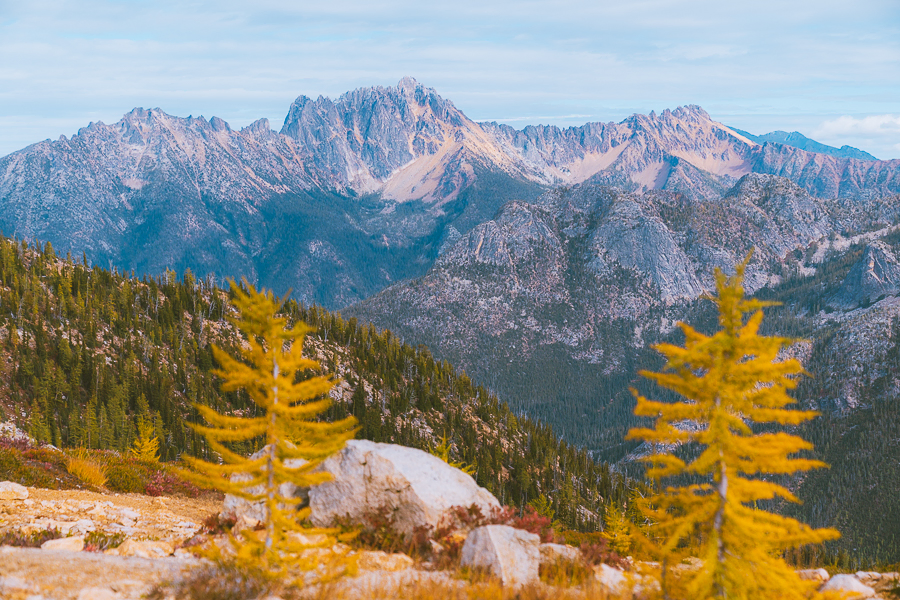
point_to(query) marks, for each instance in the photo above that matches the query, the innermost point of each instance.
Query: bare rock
(880, 582)
(512, 555)
(612, 580)
(239, 508)
(874, 276)
(144, 549)
(382, 561)
(98, 593)
(850, 586)
(68, 544)
(813, 574)
(418, 488)
(552, 553)
(12, 491)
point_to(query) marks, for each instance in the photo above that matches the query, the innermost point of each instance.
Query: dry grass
(88, 470)
(231, 582)
(436, 589)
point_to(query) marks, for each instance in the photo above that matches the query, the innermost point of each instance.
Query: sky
(829, 69)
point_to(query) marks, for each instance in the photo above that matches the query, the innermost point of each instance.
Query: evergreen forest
(87, 353)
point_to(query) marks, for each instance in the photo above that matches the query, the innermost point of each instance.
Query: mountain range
(382, 177)
(798, 140)
(546, 262)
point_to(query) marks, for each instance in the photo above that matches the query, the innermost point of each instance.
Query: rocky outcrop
(554, 553)
(587, 278)
(254, 512)
(873, 277)
(415, 488)
(849, 586)
(10, 490)
(511, 555)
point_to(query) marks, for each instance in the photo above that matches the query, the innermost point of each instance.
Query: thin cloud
(598, 59)
(873, 126)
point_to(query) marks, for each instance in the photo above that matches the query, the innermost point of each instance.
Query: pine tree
(287, 424)
(729, 381)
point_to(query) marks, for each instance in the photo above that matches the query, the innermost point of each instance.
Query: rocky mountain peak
(404, 141)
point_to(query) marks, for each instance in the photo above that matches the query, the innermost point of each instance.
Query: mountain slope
(86, 353)
(556, 304)
(798, 140)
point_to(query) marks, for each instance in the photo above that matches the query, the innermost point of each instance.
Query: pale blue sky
(827, 68)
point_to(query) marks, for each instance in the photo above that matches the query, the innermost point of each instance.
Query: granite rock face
(874, 276)
(511, 555)
(236, 507)
(417, 489)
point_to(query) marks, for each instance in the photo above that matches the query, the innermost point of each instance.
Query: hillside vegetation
(87, 353)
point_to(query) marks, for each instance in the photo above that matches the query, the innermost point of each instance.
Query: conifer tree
(617, 531)
(729, 381)
(286, 423)
(146, 445)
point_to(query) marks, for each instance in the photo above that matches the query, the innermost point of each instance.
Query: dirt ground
(34, 574)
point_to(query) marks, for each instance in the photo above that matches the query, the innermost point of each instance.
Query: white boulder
(552, 553)
(10, 490)
(611, 580)
(813, 574)
(851, 587)
(67, 544)
(512, 555)
(143, 549)
(419, 489)
(237, 507)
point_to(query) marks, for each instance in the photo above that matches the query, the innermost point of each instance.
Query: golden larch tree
(729, 381)
(288, 424)
(146, 446)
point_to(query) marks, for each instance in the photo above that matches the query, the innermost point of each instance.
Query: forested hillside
(87, 352)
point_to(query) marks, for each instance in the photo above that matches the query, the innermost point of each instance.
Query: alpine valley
(544, 262)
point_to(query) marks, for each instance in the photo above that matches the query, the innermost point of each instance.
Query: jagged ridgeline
(85, 353)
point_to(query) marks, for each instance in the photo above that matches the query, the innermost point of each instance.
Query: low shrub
(216, 524)
(378, 532)
(16, 467)
(29, 540)
(90, 471)
(216, 582)
(98, 541)
(566, 573)
(534, 522)
(600, 552)
(125, 479)
(162, 483)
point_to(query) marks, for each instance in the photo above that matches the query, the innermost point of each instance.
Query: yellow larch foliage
(729, 381)
(617, 530)
(146, 446)
(272, 362)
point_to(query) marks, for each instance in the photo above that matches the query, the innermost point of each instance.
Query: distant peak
(145, 113)
(219, 124)
(692, 109)
(408, 84)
